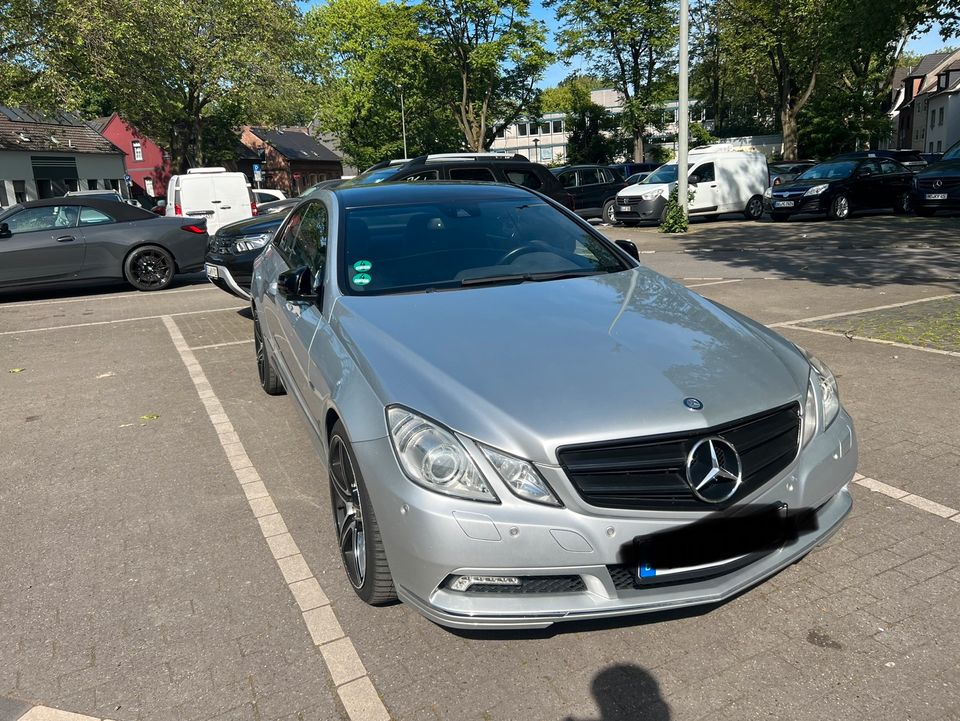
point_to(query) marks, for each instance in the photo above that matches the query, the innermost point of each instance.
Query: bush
(675, 221)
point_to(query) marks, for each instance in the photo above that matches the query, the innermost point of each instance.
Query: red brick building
(292, 159)
(147, 164)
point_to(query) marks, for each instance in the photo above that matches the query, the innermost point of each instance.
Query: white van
(211, 193)
(722, 181)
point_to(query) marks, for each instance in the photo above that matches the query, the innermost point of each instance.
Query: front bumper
(919, 199)
(636, 209)
(429, 537)
(803, 204)
(231, 273)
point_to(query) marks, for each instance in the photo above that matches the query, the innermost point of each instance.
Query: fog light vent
(463, 583)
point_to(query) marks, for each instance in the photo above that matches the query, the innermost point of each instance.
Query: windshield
(461, 243)
(372, 177)
(830, 171)
(953, 152)
(663, 174)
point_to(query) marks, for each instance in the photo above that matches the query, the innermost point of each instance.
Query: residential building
(291, 158)
(943, 110)
(913, 112)
(148, 165)
(44, 156)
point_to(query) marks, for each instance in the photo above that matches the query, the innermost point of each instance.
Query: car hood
(795, 186)
(530, 367)
(942, 169)
(635, 191)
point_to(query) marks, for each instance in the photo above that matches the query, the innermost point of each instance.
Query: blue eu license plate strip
(647, 571)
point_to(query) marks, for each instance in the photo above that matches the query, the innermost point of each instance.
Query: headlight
(817, 189)
(823, 397)
(521, 477)
(652, 194)
(768, 193)
(432, 457)
(251, 242)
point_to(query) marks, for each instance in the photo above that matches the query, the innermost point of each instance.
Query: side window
(889, 167)
(423, 175)
(284, 242)
(49, 217)
(89, 216)
(590, 176)
(471, 174)
(870, 165)
(526, 178)
(310, 244)
(568, 179)
(705, 173)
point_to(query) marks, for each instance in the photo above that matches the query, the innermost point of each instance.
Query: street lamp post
(536, 149)
(683, 110)
(403, 124)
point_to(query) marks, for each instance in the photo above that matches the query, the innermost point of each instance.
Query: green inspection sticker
(361, 279)
(362, 266)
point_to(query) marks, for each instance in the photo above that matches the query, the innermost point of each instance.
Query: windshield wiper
(527, 277)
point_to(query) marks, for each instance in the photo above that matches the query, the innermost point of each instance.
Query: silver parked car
(523, 425)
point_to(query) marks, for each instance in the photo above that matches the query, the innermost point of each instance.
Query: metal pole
(403, 123)
(683, 110)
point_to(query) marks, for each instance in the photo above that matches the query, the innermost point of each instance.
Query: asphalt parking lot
(170, 552)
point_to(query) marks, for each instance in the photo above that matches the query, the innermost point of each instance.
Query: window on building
(3, 195)
(933, 118)
(931, 147)
(521, 129)
(72, 184)
(534, 128)
(114, 184)
(940, 121)
(20, 191)
(92, 184)
(545, 129)
(558, 126)
(137, 150)
(148, 186)
(939, 145)
(501, 132)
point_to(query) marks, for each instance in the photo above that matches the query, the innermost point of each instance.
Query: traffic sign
(257, 168)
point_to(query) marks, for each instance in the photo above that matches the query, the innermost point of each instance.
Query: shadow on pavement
(56, 292)
(626, 692)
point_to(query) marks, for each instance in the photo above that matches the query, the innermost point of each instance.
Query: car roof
(117, 211)
(361, 196)
(578, 167)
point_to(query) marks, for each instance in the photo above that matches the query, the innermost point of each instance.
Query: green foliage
(630, 42)
(674, 220)
(594, 133)
(491, 55)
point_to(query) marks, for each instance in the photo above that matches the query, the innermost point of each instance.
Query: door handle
(225, 207)
(65, 238)
(714, 185)
(215, 201)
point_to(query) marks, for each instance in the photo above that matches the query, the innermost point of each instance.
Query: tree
(594, 133)
(490, 55)
(363, 54)
(632, 43)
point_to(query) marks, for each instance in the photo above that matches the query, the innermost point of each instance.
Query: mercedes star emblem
(938, 183)
(694, 404)
(714, 472)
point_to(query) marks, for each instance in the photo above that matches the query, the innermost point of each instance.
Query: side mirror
(628, 247)
(5, 231)
(694, 179)
(296, 284)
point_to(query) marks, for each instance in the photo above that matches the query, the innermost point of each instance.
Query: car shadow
(185, 280)
(627, 692)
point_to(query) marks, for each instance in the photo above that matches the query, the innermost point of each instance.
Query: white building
(943, 110)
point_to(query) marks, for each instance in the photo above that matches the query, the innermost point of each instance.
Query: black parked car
(594, 189)
(231, 252)
(88, 240)
(840, 186)
(910, 159)
(470, 167)
(938, 186)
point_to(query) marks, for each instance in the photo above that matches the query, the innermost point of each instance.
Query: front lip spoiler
(544, 620)
(227, 277)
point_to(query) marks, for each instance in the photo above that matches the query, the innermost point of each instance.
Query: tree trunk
(788, 120)
(637, 146)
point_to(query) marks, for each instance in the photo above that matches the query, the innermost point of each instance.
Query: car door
(867, 186)
(591, 187)
(105, 242)
(41, 245)
(703, 182)
(896, 180)
(299, 319)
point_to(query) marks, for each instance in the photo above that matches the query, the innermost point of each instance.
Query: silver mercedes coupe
(522, 425)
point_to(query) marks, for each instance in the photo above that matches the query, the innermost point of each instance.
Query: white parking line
(221, 345)
(828, 316)
(356, 690)
(894, 343)
(120, 320)
(924, 504)
(31, 304)
(716, 282)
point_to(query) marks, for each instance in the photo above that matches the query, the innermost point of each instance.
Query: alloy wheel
(151, 268)
(260, 351)
(755, 207)
(348, 512)
(841, 206)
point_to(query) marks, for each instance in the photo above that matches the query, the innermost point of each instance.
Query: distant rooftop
(59, 132)
(296, 144)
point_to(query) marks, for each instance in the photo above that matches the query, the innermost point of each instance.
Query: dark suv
(937, 187)
(594, 189)
(472, 167)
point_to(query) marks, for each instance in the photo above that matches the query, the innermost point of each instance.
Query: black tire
(902, 205)
(609, 216)
(629, 223)
(269, 378)
(839, 207)
(663, 214)
(712, 218)
(358, 535)
(925, 212)
(149, 267)
(780, 217)
(754, 209)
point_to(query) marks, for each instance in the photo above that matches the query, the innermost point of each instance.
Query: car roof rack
(443, 157)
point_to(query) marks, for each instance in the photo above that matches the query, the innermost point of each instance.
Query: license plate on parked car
(624, 208)
(212, 271)
(783, 204)
(936, 196)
